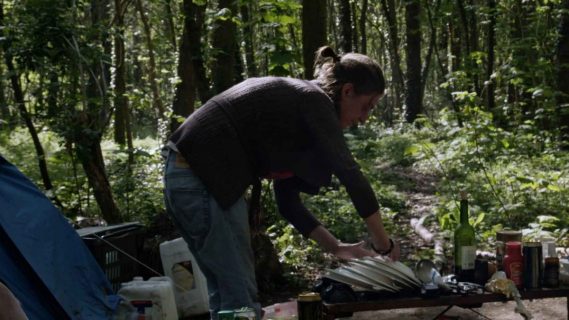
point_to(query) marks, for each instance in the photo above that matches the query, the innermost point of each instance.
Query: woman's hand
(348, 251)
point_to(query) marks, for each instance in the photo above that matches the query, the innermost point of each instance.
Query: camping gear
(116, 248)
(153, 299)
(45, 264)
(190, 286)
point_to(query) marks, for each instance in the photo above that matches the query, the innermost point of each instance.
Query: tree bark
(313, 32)
(156, 100)
(120, 99)
(355, 35)
(196, 50)
(248, 38)
(562, 72)
(413, 99)
(224, 44)
(170, 29)
(363, 32)
(389, 12)
(345, 26)
(491, 42)
(185, 95)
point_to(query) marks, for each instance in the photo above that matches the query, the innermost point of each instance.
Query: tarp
(43, 261)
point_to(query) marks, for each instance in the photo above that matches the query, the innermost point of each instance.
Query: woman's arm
(380, 238)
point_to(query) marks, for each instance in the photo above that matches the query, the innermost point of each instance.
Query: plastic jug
(153, 299)
(190, 286)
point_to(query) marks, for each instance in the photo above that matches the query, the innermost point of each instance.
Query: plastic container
(190, 286)
(153, 299)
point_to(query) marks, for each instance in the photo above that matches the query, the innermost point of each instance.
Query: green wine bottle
(464, 245)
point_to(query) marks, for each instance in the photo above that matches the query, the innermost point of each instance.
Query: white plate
(374, 277)
(399, 267)
(334, 275)
(395, 277)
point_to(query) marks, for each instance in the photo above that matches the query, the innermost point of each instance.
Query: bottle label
(516, 272)
(467, 255)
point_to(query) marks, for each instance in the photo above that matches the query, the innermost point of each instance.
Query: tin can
(226, 315)
(309, 306)
(245, 313)
(533, 268)
(551, 272)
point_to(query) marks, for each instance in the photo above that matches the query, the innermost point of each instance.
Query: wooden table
(335, 310)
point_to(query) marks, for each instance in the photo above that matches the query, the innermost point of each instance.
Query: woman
(286, 129)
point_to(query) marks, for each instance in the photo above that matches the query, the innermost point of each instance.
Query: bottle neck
(464, 211)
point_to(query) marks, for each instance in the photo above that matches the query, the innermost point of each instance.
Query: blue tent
(43, 261)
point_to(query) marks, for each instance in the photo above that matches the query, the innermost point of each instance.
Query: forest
(477, 100)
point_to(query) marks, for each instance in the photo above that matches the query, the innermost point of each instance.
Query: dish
(334, 275)
(375, 277)
(392, 273)
(398, 267)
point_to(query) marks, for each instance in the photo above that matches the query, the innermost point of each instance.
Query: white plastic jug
(190, 286)
(153, 299)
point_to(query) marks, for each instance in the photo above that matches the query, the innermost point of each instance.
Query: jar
(551, 272)
(513, 262)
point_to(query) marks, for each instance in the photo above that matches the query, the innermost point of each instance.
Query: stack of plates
(375, 273)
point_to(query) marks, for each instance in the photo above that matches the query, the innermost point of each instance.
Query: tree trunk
(345, 26)
(355, 35)
(185, 95)
(491, 42)
(91, 121)
(363, 32)
(6, 120)
(156, 100)
(248, 38)
(223, 45)
(196, 51)
(170, 29)
(562, 72)
(389, 12)
(313, 32)
(413, 99)
(121, 101)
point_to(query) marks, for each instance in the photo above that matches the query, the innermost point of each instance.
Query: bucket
(190, 286)
(153, 299)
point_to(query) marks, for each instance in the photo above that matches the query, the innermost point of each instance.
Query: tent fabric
(43, 261)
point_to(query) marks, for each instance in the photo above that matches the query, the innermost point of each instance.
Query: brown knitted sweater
(265, 125)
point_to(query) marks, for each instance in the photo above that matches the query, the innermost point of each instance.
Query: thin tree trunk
(5, 114)
(413, 98)
(491, 42)
(223, 44)
(170, 29)
(562, 72)
(345, 26)
(197, 25)
(355, 35)
(185, 95)
(363, 32)
(156, 100)
(121, 101)
(313, 32)
(248, 38)
(388, 7)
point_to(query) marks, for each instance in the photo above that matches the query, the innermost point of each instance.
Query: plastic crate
(113, 246)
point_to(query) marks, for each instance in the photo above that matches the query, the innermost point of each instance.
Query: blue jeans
(219, 239)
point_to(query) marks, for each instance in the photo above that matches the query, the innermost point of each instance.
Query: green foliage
(513, 177)
(138, 193)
